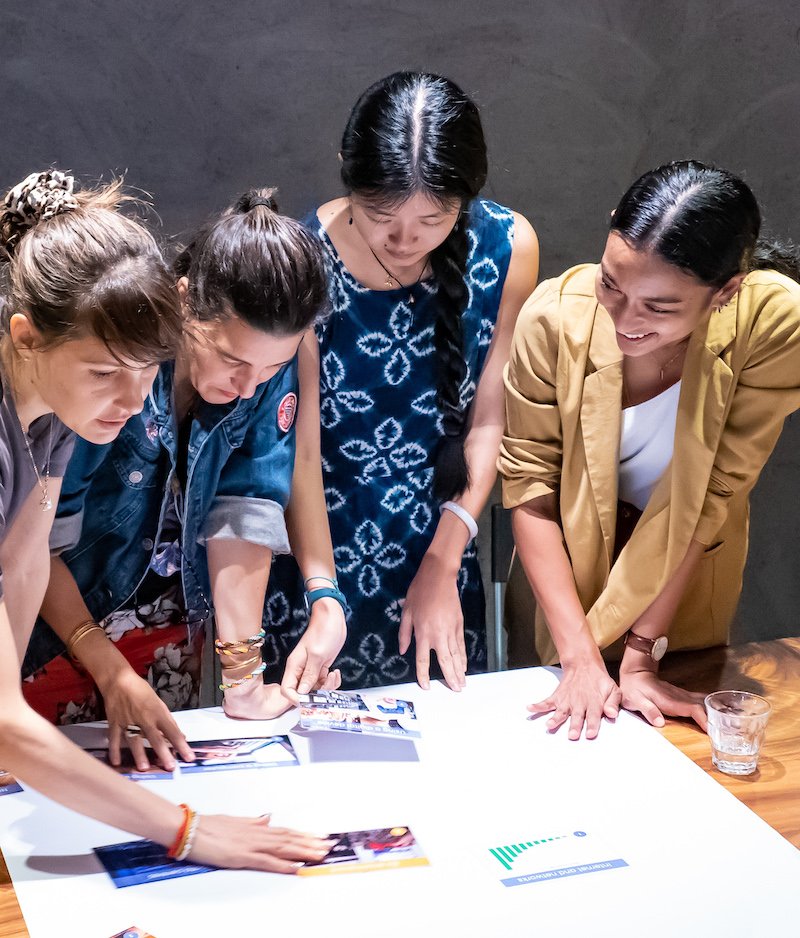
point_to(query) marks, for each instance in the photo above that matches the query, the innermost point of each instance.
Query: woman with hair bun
(182, 514)
(426, 283)
(89, 310)
(644, 395)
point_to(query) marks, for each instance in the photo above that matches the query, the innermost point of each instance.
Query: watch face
(659, 648)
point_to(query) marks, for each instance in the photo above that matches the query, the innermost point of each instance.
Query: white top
(647, 440)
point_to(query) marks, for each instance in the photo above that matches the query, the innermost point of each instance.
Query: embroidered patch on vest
(286, 411)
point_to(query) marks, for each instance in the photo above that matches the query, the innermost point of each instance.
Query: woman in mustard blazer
(675, 328)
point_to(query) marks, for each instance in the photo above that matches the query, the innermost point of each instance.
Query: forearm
(64, 611)
(540, 545)
(39, 755)
(239, 573)
(307, 521)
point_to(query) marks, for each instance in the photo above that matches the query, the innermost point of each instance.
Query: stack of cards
(351, 713)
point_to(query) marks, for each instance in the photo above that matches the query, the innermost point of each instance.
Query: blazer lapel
(702, 411)
(600, 423)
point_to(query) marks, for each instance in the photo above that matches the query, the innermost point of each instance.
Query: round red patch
(286, 411)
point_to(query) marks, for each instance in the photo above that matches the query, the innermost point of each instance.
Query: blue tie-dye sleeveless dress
(380, 427)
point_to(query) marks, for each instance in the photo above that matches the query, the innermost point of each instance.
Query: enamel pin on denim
(286, 411)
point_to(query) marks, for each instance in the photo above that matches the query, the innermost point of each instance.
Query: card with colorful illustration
(364, 851)
(8, 784)
(353, 713)
(213, 755)
(557, 855)
(142, 861)
(133, 932)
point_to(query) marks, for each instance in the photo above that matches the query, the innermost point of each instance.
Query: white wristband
(465, 516)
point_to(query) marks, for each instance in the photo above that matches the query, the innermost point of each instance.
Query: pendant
(46, 503)
(411, 301)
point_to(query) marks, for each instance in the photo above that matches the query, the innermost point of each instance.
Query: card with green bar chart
(552, 855)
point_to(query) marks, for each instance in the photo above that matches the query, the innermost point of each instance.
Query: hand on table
(131, 701)
(432, 613)
(307, 666)
(584, 696)
(251, 843)
(643, 691)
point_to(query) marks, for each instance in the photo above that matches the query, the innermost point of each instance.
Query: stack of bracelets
(185, 836)
(244, 654)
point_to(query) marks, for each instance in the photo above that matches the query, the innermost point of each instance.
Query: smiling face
(88, 388)
(403, 235)
(653, 304)
(228, 358)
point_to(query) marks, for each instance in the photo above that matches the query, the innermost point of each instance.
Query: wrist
(636, 662)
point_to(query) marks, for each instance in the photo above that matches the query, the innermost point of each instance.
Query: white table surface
(699, 862)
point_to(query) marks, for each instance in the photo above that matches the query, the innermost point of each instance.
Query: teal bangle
(310, 597)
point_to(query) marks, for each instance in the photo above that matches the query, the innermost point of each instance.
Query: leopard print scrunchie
(38, 197)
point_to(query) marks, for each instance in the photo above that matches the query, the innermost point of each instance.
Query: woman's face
(228, 358)
(88, 389)
(403, 235)
(653, 304)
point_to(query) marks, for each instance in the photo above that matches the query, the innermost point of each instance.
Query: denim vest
(114, 497)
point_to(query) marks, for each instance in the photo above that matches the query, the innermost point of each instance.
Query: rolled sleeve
(532, 446)
(258, 520)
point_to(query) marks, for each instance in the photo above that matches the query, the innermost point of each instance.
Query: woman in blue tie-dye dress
(426, 284)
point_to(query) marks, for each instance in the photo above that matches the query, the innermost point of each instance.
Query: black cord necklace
(391, 279)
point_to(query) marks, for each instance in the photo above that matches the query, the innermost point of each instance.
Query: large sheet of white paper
(526, 833)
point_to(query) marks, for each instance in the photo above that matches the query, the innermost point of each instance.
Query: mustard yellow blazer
(741, 378)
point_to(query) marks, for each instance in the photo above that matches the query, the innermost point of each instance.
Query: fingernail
(296, 866)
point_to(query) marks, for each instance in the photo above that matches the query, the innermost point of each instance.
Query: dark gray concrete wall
(196, 100)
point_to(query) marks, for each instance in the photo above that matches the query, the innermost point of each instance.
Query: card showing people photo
(213, 755)
(352, 713)
(8, 784)
(364, 851)
(142, 861)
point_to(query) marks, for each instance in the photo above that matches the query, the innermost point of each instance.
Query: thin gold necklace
(392, 279)
(45, 501)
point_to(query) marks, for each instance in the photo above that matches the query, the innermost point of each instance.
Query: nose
(134, 391)
(400, 235)
(246, 385)
(627, 318)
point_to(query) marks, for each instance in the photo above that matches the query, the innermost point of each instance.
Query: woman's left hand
(307, 666)
(432, 613)
(644, 692)
(255, 700)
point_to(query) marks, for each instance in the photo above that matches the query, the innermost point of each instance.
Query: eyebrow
(242, 361)
(662, 301)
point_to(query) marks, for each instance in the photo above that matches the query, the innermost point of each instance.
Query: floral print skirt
(159, 640)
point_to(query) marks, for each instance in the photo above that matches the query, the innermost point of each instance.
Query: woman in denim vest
(183, 513)
(89, 309)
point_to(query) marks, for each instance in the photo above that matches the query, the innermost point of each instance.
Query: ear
(724, 295)
(183, 293)
(24, 335)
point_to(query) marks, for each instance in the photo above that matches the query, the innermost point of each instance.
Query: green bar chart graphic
(506, 855)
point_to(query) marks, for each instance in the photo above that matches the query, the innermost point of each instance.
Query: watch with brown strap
(654, 647)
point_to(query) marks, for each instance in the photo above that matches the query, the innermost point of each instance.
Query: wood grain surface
(771, 669)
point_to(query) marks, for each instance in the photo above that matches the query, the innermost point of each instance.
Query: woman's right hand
(251, 843)
(584, 696)
(131, 701)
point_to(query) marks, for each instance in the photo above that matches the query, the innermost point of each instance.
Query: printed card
(213, 755)
(352, 713)
(142, 861)
(364, 851)
(557, 855)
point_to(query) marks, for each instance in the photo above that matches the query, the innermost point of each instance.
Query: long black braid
(419, 133)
